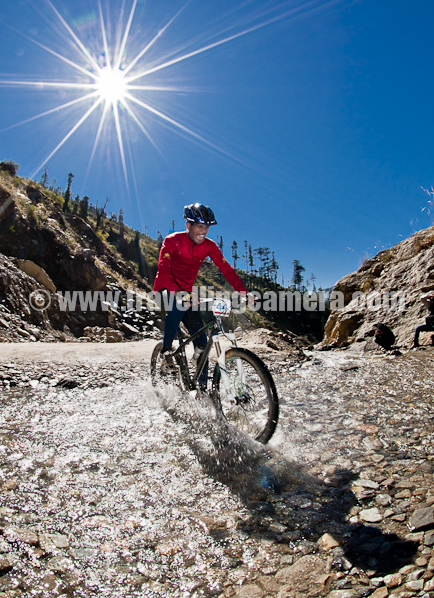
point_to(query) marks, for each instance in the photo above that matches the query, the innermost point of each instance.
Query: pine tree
(297, 274)
(260, 254)
(246, 255)
(67, 195)
(266, 271)
(251, 259)
(235, 256)
(313, 280)
(121, 223)
(274, 268)
(84, 207)
(101, 214)
(45, 178)
(76, 204)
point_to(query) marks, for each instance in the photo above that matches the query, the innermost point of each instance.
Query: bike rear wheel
(158, 374)
(254, 405)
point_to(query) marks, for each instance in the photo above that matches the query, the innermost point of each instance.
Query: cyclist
(181, 256)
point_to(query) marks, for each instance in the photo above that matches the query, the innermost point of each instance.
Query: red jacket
(180, 260)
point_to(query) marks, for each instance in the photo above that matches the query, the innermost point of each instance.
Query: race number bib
(221, 307)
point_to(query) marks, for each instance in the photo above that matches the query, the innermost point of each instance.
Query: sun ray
(120, 21)
(61, 107)
(97, 138)
(159, 34)
(142, 128)
(75, 38)
(125, 38)
(160, 88)
(230, 38)
(121, 145)
(67, 136)
(58, 84)
(104, 35)
(205, 35)
(180, 126)
(47, 49)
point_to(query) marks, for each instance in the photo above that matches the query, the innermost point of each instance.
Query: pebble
(327, 542)
(393, 580)
(372, 515)
(422, 518)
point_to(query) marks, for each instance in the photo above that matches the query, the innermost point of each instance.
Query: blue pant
(193, 322)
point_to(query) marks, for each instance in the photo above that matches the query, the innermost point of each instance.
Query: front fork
(221, 360)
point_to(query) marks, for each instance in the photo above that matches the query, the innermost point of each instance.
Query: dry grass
(425, 243)
(367, 285)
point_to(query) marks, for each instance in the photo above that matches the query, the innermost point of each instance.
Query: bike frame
(217, 333)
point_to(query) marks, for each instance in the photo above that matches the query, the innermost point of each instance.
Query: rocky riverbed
(108, 488)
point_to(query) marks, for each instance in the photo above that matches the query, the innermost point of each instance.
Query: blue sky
(309, 131)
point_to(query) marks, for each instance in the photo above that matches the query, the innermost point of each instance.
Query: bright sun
(111, 85)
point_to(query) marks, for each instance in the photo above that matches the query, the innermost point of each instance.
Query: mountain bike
(242, 391)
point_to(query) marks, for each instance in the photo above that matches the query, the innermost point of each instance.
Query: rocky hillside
(52, 243)
(44, 250)
(404, 272)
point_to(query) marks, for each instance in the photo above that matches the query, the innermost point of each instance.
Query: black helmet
(197, 212)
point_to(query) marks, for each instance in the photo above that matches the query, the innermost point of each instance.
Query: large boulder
(387, 288)
(83, 273)
(37, 273)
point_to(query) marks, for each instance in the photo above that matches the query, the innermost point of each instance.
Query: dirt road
(65, 352)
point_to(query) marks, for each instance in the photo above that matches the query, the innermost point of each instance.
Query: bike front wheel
(246, 395)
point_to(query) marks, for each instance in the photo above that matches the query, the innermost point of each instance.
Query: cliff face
(388, 289)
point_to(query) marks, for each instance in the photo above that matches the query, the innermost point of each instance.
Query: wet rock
(4, 546)
(372, 515)
(16, 534)
(307, 575)
(60, 564)
(84, 553)
(403, 494)
(393, 580)
(9, 485)
(415, 585)
(250, 591)
(384, 500)
(327, 542)
(52, 542)
(422, 518)
(372, 443)
(268, 584)
(7, 561)
(366, 484)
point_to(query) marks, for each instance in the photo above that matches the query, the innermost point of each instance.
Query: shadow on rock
(288, 506)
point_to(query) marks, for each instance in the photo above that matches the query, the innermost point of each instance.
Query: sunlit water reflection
(153, 492)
